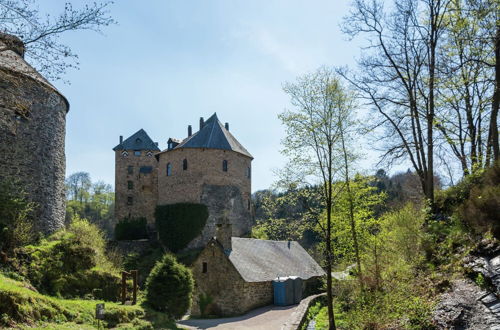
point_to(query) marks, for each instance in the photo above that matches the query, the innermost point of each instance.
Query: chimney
(202, 123)
(190, 131)
(223, 234)
(226, 125)
(121, 139)
(13, 43)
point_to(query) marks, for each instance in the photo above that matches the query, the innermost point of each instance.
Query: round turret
(32, 133)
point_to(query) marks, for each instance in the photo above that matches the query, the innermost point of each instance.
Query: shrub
(480, 211)
(16, 217)
(71, 263)
(131, 229)
(178, 224)
(169, 287)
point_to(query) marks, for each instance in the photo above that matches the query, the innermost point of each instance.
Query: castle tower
(209, 167)
(32, 133)
(136, 177)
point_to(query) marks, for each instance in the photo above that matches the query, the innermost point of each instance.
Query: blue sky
(166, 63)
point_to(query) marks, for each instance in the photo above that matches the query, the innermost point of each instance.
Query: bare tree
(40, 32)
(397, 76)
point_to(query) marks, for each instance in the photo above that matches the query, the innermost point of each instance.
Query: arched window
(224, 165)
(185, 164)
(169, 169)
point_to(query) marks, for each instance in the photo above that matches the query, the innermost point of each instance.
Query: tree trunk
(493, 130)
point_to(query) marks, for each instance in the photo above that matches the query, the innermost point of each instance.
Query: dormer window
(170, 145)
(138, 141)
(185, 164)
(137, 153)
(224, 165)
(169, 169)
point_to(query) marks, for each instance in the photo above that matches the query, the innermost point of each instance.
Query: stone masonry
(32, 135)
(220, 281)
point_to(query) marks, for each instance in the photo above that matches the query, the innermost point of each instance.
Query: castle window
(205, 267)
(137, 153)
(130, 200)
(130, 169)
(248, 204)
(224, 165)
(249, 172)
(169, 169)
(185, 164)
(130, 185)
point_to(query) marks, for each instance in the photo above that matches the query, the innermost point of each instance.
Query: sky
(168, 63)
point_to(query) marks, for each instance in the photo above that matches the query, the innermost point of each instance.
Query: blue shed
(283, 291)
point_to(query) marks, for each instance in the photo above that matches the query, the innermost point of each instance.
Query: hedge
(131, 229)
(178, 224)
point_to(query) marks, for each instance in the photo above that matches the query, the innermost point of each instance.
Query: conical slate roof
(213, 135)
(12, 58)
(140, 140)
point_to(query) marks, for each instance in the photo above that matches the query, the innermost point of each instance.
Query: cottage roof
(263, 260)
(140, 140)
(213, 135)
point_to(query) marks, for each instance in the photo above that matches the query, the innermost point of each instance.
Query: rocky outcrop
(467, 306)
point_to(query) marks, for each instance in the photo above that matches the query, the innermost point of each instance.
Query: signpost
(99, 314)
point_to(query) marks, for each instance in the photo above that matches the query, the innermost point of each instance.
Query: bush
(178, 224)
(131, 229)
(480, 211)
(169, 287)
(71, 263)
(16, 217)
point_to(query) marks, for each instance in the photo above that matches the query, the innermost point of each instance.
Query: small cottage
(234, 275)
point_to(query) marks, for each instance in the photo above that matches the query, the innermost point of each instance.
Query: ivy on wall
(131, 229)
(178, 224)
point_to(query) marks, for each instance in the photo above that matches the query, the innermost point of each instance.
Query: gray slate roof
(213, 135)
(262, 260)
(140, 140)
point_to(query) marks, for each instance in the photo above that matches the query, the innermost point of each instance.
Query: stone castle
(32, 133)
(208, 167)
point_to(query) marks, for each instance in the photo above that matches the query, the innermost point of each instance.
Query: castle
(32, 132)
(209, 167)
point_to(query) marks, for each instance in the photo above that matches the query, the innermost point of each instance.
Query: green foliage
(170, 287)
(143, 262)
(366, 199)
(71, 263)
(480, 211)
(204, 300)
(20, 305)
(131, 229)
(16, 217)
(288, 215)
(180, 223)
(90, 200)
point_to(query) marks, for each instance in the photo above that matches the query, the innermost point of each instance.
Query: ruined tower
(32, 133)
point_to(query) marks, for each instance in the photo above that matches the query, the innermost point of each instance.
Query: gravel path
(264, 318)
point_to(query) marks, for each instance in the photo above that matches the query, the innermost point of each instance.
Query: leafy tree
(312, 144)
(40, 31)
(169, 287)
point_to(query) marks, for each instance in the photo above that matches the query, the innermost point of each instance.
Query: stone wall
(230, 294)
(143, 189)
(32, 135)
(226, 194)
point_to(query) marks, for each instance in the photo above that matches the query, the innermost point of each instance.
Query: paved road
(264, 318)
